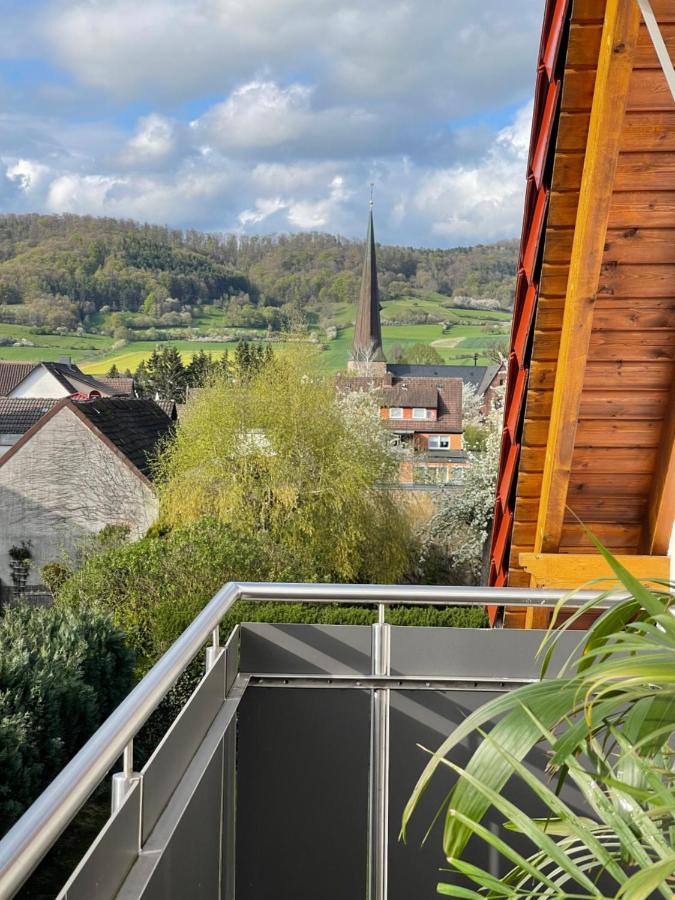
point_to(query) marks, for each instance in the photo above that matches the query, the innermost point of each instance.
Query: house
(485, 380)
(589, 425)
(57, 379)
(17, 416)
(83, 465)
(424, 416)
(420, 405)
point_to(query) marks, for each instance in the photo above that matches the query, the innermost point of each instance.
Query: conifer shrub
(61, 674)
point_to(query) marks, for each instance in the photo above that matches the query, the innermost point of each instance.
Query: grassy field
(457, 336)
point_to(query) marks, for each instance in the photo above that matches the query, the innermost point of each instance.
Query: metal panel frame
(30, 838)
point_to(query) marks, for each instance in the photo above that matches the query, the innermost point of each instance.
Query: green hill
(101, 289)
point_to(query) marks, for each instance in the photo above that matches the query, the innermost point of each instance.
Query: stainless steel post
(213, 651)
(123, 781)
(379, 762)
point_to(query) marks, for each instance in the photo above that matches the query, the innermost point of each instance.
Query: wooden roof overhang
(589, 425)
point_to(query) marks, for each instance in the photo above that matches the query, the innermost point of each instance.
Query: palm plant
(606, 723)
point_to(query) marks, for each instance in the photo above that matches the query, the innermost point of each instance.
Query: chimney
(65, 361)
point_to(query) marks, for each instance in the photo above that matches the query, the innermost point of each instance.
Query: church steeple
(367, 347)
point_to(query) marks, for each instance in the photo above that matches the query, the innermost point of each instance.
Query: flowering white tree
(461, 525)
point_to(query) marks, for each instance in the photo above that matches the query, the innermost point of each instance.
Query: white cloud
(483, 201)
(28, 174)
(261, 115)
(275, 114)
(459, 56)
(154, 143)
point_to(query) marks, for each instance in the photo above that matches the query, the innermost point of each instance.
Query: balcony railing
(199, 768)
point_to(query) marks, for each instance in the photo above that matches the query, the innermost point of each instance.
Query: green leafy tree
(165, 375)
(422, 354)
(279, 454)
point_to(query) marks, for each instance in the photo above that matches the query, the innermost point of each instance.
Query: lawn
(93, 352)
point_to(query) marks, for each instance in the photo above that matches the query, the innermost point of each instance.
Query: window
(439, 441)
(395, 412)
(431, 475)
(419, 412)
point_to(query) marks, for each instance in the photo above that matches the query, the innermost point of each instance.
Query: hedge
(61, 674)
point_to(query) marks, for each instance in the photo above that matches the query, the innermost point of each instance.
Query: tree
(61, 673)
(461, 524)
(165, 375)
(422, 354)
(113, 372)
(200, 369)
(279, 454)
(605, 724)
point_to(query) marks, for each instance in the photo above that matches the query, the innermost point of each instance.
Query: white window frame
(417, 410)
(395, 412)
(436, 439)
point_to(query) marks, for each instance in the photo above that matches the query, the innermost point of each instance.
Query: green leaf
(641, 885)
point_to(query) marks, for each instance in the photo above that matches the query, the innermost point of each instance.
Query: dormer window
(395, 412)
(419, 412)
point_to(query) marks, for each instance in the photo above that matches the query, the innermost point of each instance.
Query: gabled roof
(73, 379)
(132, 427)
(442, 394)
(589, 427)
(12, 374)
(119, 385)
(68, 375)
(479, 377)
(18, 414)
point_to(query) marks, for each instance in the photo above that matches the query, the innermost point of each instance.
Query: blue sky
(271, 115)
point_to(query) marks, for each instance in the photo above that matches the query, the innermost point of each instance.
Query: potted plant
(20, 557)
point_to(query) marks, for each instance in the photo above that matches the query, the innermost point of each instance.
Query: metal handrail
(32, 836)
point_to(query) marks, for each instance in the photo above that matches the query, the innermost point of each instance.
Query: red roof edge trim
(533, 237)
(548, 91)
(525, 317)
(548, 121)
(550, 54)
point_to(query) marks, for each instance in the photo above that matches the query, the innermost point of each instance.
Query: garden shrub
(61, 674)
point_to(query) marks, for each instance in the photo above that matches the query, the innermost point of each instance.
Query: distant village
(76, 451)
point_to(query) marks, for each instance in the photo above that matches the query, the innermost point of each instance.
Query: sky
(259, 116)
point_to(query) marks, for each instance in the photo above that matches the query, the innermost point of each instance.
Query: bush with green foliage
(153, 588)
(61, 674)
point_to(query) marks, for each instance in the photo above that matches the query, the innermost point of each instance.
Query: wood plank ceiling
(624, 432)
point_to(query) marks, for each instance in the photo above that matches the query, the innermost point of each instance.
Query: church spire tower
(367, 354)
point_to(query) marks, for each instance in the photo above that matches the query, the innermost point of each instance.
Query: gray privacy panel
(427, 718)
(305, 649)
(189, 864)
(473, 653)
(168, 763)
(302, 794)
(110, 858)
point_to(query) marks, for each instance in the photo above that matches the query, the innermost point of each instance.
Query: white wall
(40, 383)
(63, 485)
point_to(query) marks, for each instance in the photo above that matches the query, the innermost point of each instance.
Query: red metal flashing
(548, 92)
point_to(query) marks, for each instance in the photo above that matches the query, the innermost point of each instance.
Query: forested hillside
(106, 275)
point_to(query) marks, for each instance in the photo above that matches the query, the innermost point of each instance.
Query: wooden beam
(615, 63)
(660, 516)
(571, 570)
